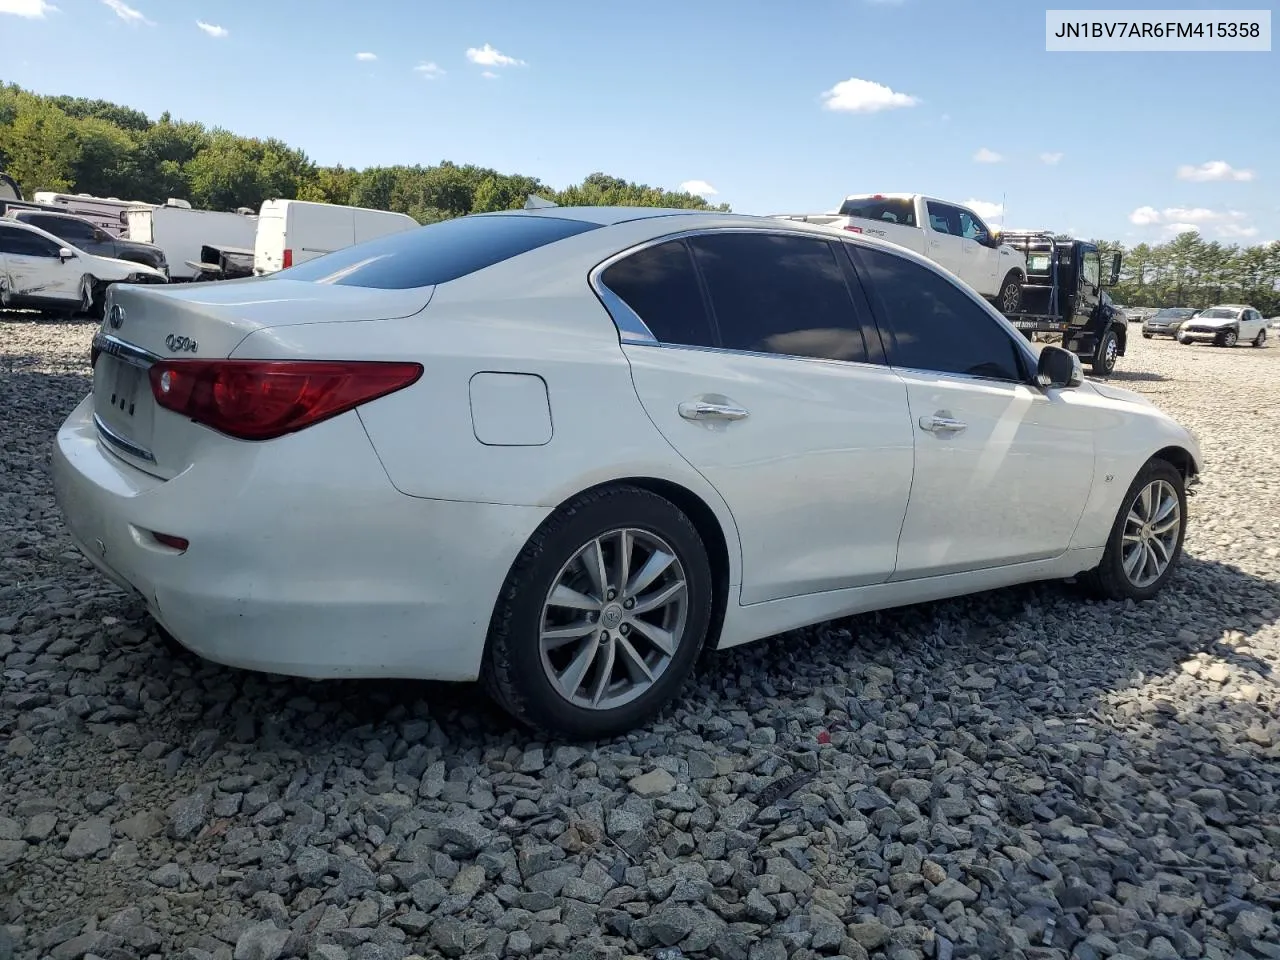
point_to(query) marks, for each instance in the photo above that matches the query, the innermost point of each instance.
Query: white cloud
(1050, 158)
(1236, 231)
(31, 9)
(1181, 228)
(127, 13)
(212, 29)
(486, 56)
(428, 70)
(1145, 216)
(864, 96)
(699, 188)
(489, 75)
(987, 156)
(985, 209)
(366, 57)
(1213, 170)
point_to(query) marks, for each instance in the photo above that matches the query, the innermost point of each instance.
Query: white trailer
(294, 231)
(105, 212)
(181, 232)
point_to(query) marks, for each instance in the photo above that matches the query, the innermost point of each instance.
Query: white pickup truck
(947, 233)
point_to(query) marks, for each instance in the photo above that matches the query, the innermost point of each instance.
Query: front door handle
(706, 410)
(941, 423)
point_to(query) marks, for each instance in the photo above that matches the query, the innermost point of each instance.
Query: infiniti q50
(564, 450)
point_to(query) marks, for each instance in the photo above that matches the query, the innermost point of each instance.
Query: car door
(1003, 469)
(979, 261)
(945, 246)
(1251, 325)
(760, 375)
(34, 268)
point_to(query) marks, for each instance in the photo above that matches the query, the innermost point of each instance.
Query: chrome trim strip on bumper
(113, 438)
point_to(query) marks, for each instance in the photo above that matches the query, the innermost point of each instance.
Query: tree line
(1190, 271)
(73, 144)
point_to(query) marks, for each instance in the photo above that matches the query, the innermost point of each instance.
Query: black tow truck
(1063, 297)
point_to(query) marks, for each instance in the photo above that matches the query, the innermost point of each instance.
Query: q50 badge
(177, 344)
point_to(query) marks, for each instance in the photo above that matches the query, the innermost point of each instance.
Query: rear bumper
(303, 559)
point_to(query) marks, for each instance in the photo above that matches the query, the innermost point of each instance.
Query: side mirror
(1059, 368)
(65, 254)
(1115, 269)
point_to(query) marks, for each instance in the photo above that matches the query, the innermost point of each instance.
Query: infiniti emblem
(116, 316)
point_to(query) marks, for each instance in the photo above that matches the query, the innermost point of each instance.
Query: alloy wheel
(1151, 531)
(613, 619)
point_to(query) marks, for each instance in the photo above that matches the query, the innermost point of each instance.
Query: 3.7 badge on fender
(177, 344)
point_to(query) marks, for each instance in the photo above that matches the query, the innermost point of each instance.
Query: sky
(770, 107)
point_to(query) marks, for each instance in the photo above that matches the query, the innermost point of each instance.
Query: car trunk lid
(208, 320)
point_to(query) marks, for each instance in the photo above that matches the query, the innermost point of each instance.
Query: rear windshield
(436, 253)
(889, 210)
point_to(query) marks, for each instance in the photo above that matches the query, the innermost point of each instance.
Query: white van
(295, 231)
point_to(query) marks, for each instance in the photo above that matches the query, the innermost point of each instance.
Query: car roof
(603, 215)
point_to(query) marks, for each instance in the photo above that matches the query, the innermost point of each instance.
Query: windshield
(1219, 313)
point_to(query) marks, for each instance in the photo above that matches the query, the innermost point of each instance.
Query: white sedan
(38, 271)
(564, 450)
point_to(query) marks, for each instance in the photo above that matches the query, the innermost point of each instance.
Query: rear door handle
(941, 423)
(706, 410)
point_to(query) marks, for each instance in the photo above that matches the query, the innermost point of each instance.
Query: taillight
(288, 258)
(263, 399)
(853, 229)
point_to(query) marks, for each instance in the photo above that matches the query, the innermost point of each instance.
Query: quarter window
(660, 286)
(931, 323)
(779, 294)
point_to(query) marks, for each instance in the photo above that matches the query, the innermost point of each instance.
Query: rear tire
(1147, 336)
(1116, 577)
(1261, 339)
(1009, 299)
(1105, 354)
(533, 665)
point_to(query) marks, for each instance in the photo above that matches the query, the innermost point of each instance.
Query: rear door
(768, 386)
(1002, 468)
(269, 239)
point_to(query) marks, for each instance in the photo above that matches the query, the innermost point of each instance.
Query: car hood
(1216, 321)
(122, 267)
(1164, 321)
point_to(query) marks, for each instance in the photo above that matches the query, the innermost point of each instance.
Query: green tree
(40, 146)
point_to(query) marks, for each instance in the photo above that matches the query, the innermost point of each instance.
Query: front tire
(602, 616)
(1229, 338)
(1105, 354)
(86, 294)
(1146, 537)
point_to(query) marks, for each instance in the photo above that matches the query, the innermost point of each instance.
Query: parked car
(566, 449)
(1166, 321)
(1225, 325)
(83, 235)
(39, 271)
(948, 233)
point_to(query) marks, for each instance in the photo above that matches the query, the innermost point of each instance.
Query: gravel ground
(1023, 774)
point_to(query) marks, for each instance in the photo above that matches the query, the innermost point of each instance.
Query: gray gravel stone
(88, 838)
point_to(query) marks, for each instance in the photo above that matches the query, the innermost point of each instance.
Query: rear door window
(780, 294)
(424, 256)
